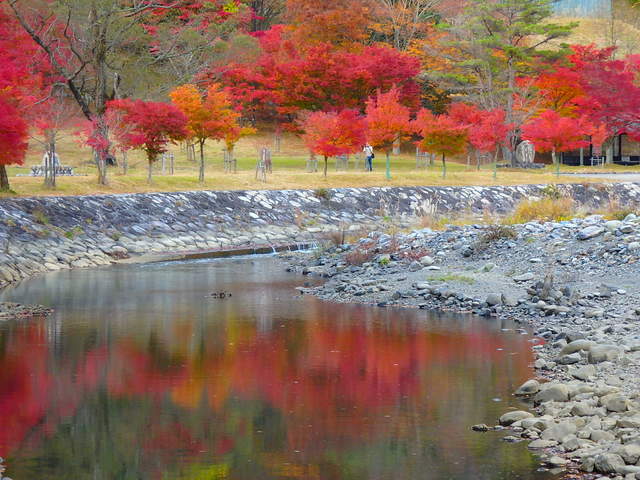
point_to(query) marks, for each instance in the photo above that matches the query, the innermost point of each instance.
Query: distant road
(621, 177)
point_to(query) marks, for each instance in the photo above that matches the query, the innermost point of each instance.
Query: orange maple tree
(210, 116)
(388, 122)
(343, 23)
(441, 135)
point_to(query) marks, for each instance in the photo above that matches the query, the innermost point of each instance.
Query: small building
(622, 151)
(583, 8)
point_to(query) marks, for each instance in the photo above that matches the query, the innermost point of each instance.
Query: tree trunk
(444, 166)
(99, 36)
(150, 172)
(477, 160)
(511, 138)
(4, 179)
(326, 165)
(102, 169)
(231, 159)
(495, 164)
(388, 165)
(556, 161)
(201, 175)
(50, 167)
(125, 163)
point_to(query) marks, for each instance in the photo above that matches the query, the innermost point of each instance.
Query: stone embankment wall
(51, 233)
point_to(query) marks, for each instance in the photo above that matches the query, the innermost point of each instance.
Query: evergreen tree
(493, 44)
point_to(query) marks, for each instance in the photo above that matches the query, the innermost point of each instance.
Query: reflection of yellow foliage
(205, 472)
(281, 467)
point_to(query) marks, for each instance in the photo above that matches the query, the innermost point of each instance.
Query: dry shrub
(615, 211)
(493, 233)
(544, 210)
(337, 237)
(360, 254)
(414, 255)
(436, 223)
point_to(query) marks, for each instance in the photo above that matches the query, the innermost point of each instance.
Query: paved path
(621, 177)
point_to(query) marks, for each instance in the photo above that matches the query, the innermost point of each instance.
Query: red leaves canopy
(388, 120)
(331, 134)
(597, 87)
(17, 83)
(551, 132)
(286, 79)
(13, 133)
(440, 134)
(152, 125)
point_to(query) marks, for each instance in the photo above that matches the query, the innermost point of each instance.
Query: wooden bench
(38, 171)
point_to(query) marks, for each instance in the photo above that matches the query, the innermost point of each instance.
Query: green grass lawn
(289, 171)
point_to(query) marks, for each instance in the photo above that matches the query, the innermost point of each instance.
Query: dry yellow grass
(289, 172)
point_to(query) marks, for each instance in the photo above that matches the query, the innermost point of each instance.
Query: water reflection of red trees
(330, 381)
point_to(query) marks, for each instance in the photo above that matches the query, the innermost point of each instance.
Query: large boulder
(583, 372)
(559, 431)
(576, 346)
(529, 387)
(553, 393)
(615, 402)
(515, 416)
(603, 353)
(630, 452)
(590, 232)
(609, 463)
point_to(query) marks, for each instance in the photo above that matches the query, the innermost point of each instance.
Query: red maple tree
(152, 126)
(288, 78)
(553, 133)
(21, 78)
(331, 134)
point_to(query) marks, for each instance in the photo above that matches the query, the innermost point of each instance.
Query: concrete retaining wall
(51, 233)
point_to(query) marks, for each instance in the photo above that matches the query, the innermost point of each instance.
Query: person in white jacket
(368, 152)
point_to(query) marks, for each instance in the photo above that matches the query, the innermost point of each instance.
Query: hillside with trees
(232, 68)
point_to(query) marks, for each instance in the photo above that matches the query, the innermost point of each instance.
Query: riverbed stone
(494, 299)
(603, 353)
(559, 431)
(615, 402)
(582, 372)
(590, 232)
(553, 393)
(576, 346)
(529, 387)
(515, 416)
(608, 463)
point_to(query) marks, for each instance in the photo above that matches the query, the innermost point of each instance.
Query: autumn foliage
(440, 134)
(332, 134)
(209, 116)
(287, 79)
(388, 121)
(553, 133)
(152, 126)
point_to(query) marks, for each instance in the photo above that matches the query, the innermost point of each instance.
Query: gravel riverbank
(575, 283)
(10, 311)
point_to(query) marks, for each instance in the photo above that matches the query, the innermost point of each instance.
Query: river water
(141, 374)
